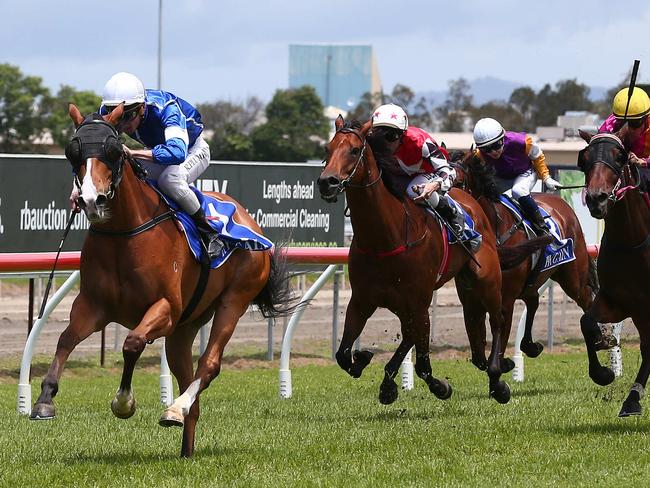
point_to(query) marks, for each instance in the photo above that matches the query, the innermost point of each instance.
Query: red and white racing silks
(420, 154)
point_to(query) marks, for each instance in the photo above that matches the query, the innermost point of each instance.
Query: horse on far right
(614, 193)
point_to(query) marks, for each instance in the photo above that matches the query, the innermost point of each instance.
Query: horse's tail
(594, 284)
(511, 256)
(276, 298)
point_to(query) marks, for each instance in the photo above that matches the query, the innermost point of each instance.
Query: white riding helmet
(487, 131)
(390, 115)
(123, 88)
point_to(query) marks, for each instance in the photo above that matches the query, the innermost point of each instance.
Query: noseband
(346, 182)
(602, 143)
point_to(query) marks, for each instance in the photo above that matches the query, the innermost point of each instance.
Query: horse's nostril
(101, 200)
(333, 181)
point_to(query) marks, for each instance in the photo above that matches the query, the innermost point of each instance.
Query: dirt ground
(313, 337)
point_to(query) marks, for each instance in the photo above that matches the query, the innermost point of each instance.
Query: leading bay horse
(396, 261)
(613, 194)
(137, 270)
(521, 278)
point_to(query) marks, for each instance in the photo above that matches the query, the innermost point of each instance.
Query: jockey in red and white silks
(418, 155)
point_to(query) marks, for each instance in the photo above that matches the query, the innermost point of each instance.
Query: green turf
(558, 430)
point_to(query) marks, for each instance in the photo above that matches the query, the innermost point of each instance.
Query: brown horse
(137, 270)
(613, 194)
(521, 278)
(395, 263)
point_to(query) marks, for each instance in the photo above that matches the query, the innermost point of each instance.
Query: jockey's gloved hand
(74, 196)
(552, 184)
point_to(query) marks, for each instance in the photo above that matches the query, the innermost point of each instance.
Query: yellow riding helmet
(639, 105)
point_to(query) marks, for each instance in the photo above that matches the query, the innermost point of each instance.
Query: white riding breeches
(523, 184)
(423, 179)
(174, 180)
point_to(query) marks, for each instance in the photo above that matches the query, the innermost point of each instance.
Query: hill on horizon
(490, 88)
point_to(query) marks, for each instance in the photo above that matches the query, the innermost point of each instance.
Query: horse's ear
(339, 122)
(585, 135)
(115, 116)
(365, 128)
(75, 114)
(443, 145)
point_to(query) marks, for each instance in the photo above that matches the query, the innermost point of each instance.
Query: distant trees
(21, 109)
(291, 127)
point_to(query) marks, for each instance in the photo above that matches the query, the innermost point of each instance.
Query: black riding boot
(531, 212)
(449, 212)
(209, 236)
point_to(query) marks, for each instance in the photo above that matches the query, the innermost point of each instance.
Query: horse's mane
(386, 160)
(482, 176)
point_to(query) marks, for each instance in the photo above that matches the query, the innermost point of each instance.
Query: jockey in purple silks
(517, 162)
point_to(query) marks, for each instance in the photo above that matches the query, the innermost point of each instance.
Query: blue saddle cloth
(559, 251)
(469, 233)
(219, 214)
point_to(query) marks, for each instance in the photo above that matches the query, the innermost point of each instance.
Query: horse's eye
(354, 151)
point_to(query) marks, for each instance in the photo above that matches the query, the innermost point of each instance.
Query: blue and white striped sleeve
(175, 148)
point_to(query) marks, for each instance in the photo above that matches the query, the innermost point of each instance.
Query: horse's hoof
(507, 365)
(480, 363)
(601, 375)
(388, 392)
(361, 360)
(440, 388)
(501, 393)
(532, 349)
(630, 407)
(171, 418)
(123, 407)
(43, 411)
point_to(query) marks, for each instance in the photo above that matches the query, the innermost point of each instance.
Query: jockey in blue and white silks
(170, 128)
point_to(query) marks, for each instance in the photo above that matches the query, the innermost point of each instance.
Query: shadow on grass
(628, 425)
(130, 458)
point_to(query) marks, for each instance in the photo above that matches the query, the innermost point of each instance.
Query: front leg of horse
(528, 346)
(83, 322)
(439, 387)
(156, 323)
(601, 375)
(632, 404)
(499, 389)
(355, 320)
(388, 389)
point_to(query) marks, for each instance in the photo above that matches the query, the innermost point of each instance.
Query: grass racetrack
(559, 429)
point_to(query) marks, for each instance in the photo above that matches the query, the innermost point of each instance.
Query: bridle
(341, 187)
(96, 138)
(602, 144)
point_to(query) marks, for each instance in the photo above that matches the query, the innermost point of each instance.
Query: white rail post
(24, 386)
(285, 373)
(518, 358)
(615, 356)
(407, 371)
(166, 384)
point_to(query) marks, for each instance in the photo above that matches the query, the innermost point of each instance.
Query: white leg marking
(185, 401)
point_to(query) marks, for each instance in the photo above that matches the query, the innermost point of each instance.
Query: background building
(341, 74)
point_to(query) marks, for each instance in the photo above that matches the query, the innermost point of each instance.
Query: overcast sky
(233, 49)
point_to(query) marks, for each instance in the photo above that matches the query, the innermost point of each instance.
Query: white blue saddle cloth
(219, 214)
(469, 233)
(559, 251)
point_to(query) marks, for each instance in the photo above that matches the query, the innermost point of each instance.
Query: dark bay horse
(146, 280)
(613, 194)
(395, 263)
(522, 280)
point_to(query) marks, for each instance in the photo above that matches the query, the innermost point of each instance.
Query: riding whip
(49, 281)
(635, 71)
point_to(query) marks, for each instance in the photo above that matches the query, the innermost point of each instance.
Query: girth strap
(199, 290)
